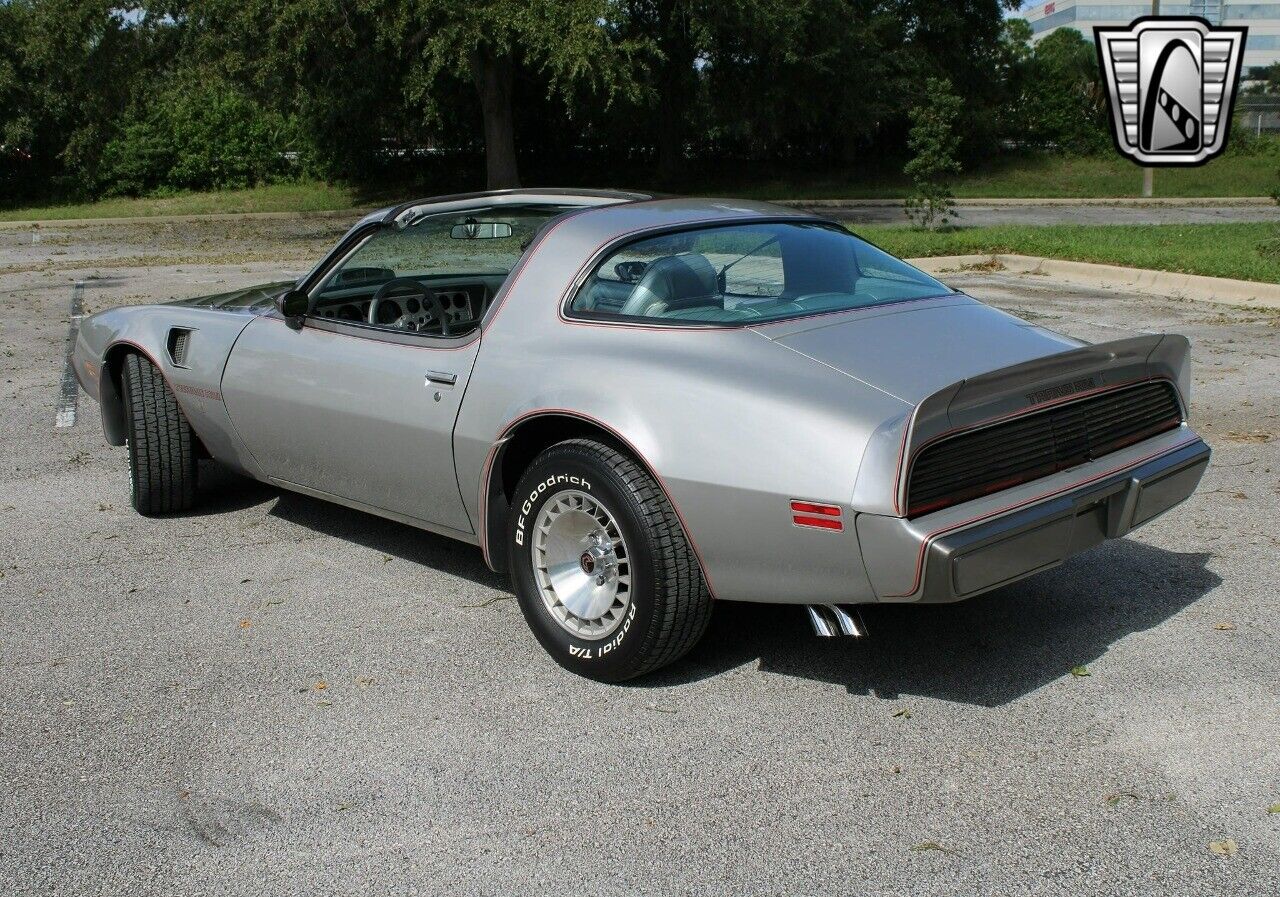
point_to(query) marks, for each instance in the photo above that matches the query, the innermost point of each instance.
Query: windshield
(748, 274)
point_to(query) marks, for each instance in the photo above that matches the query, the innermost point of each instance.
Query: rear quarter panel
(733, 425)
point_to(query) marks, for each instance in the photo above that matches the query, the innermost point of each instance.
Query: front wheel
(605, 576)
(162, 455)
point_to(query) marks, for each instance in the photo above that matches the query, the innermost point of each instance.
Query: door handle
(441, 378)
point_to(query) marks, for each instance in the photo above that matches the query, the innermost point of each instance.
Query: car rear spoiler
(1045, 381)
(1049, 380)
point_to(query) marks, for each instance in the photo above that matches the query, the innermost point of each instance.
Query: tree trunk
(670, 136)
(677, 86)
(494, 76)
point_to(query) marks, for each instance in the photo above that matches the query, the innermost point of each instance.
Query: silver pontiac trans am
(636, 405)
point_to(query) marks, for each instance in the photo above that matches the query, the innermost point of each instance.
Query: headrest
(673, 281)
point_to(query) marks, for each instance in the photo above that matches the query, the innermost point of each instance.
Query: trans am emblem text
(1171, 83)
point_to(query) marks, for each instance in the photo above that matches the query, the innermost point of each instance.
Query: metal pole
(1148, 174)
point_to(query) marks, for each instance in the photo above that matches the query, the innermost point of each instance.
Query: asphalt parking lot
(280, 696)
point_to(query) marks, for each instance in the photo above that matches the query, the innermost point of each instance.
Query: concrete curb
(1137, 201)
(1222, 290)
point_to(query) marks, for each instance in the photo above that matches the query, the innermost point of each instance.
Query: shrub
(933, 144)
(197, 135)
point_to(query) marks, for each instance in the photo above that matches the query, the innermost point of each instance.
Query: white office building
(1261, 18)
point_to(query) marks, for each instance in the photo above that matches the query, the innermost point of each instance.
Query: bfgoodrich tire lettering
(162, 458)
(668, 606)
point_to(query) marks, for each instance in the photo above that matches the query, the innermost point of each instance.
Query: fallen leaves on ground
(245, 624)
(488, 602)
(1225, 627)
(904, 713)
(1224, 848)
(1252, 436)
(1081, 670)
(1230, 493)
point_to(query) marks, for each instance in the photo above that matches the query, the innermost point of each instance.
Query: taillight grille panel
(978, 462)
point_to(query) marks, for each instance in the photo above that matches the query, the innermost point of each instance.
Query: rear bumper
(961, 559)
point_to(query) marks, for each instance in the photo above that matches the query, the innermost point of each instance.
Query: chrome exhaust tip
(833, 620)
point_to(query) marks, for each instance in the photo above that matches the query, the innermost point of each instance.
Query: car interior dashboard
(437, 305)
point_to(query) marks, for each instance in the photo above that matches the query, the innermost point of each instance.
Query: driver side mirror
(293, 307)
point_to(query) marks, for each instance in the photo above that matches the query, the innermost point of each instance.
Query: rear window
(747, 274)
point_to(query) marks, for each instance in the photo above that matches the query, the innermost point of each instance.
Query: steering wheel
(417, 288)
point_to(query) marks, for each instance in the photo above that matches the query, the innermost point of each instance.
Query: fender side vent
(179, 339)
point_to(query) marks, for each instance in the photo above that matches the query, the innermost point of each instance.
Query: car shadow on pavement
(399, 540)
(986, 651)
(223, 491)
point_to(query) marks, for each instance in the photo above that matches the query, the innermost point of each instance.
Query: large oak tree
(573, 46)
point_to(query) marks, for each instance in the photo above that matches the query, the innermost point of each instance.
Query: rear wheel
(162, 457)
(605, 577)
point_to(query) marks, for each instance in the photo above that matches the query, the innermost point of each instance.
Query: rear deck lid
(913, 349)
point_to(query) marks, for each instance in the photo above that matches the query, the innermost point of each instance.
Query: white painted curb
(1043, 201)
(1242, 293)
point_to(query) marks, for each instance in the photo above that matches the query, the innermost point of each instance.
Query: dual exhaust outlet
(834, 620)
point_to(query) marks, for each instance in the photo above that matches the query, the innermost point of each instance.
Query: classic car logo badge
(1171, 84)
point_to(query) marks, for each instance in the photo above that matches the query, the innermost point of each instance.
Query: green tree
(963, 41)
(67, 70)
(805, 79)
(1266, 79)
(93, 90)
(318, 62)
(1062, 104)
(571, 44)
(933, 143)
(197, 134)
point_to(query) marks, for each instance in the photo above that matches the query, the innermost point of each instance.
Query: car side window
(434, 274)
(755, 274)
(744, 274)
